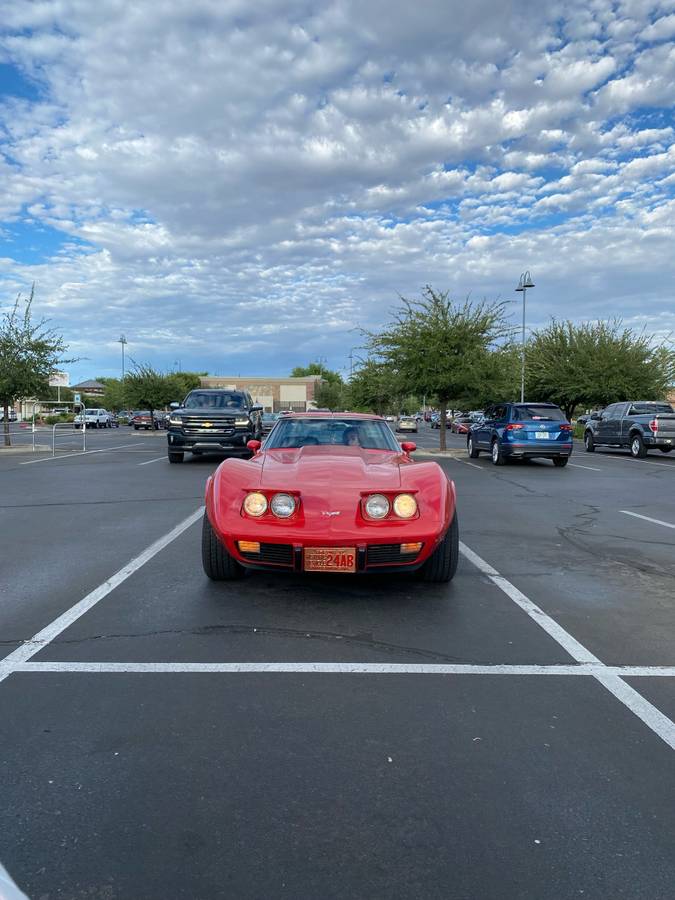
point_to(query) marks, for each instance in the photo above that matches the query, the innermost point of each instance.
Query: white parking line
(148, 461)
(467, 463)
(68, 455)
(32, 646)
(336, 668)
(627, 512)
(643, 709)
(590, 468)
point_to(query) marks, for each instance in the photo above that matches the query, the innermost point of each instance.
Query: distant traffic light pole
(524, 283)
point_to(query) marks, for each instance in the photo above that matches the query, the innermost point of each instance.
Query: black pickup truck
(639, 425)
(213, 421)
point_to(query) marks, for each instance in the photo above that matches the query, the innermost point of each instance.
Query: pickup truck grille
(208, 424)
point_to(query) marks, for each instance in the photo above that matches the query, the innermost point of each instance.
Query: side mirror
(254, 446)
(408, 446)
(256, 408)
(174, 405)
(597, 417)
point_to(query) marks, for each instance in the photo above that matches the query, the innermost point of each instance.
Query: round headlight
(283, 505)
(405, 506)
(255, 504)
(377, 506)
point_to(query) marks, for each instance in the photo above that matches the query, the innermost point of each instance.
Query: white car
(94, 418)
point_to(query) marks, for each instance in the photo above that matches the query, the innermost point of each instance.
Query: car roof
(537, 403)
(315, 414)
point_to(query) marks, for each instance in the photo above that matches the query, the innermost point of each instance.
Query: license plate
(330, 559)
(542, 435)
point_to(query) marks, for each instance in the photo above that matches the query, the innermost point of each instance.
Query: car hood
(334, 467)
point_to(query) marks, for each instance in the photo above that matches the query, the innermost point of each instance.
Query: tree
(596, 363)
(144, 388)
(181, 383)
(442, 349)
(375, 387)
(316, 368)
(29, 353)
(113, 397)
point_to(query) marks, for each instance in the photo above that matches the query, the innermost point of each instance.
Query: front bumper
(232, 444)
(370, 559)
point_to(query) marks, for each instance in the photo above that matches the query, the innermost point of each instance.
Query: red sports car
(330, 492)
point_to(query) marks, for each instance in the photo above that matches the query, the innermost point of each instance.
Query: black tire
(136, 427)
(637, 446)
(589, 443)
(217, 562)
(560, 461)
(442, 564)
(498, 458)
(175, 456)
(471, 448)
(665, 449)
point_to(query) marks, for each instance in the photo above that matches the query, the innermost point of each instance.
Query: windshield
(370, 434)
(142, 412)
(220, 400)
(535, 413)
(649, 409)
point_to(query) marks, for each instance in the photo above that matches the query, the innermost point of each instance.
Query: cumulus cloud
(241, 185)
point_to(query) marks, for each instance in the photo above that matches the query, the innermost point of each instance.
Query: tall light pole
(524, 283)
(123, 341)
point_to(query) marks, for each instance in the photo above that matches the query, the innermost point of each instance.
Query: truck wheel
(175, 456)
(442, 564)
(217, 562)
(135, 427)
(589, 443)
(560, 461)
(471, 448)
(665, 449)
(637, 447)
(497, 455)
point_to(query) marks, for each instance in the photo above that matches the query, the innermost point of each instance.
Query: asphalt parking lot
(509, 735)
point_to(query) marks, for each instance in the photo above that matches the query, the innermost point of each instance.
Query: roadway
(506, 736)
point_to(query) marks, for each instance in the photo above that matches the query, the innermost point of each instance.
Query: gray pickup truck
(638, 425)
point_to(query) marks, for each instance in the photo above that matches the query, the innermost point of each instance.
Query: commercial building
(273, 394)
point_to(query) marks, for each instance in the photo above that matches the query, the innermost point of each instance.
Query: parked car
(638, 425)
(436, 420)
(11, 415)
(113, 421)
(461, 424)
(268, 420)
(585, 417)
(377, 512)
(143, 418)
(93, 418)
(407, 423)
(522, 430)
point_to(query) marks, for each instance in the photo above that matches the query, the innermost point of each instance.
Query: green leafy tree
(316, 368)
(181, 383)
(596, 363)
(145, 388)
(29, 352)
(375, 387)
(442, 349)
(113, 397)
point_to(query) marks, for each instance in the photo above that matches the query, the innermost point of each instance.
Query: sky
(240, 187)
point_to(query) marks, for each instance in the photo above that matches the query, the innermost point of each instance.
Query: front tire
(136, 427)
(665, 449)
(442, 564)
(637, 447)
(471, 448)
(560, 461)
(589, 443)
(217, 562)
(175, 456)
(498, 458)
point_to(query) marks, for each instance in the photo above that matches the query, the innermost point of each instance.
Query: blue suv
(519, 430)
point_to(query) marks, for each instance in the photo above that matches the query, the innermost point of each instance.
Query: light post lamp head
(525, 281)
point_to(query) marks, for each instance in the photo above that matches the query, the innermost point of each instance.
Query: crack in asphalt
(361, 640)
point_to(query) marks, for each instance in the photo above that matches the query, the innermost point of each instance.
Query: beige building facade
(273, 394)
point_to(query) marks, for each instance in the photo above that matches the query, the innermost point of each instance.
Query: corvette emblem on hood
(331, 512)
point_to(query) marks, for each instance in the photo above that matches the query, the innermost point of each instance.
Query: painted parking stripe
(148, 461)
(339, 668)
(627, 512)
(40, 640)
(68, 455)
(590, 468)
(653, 718)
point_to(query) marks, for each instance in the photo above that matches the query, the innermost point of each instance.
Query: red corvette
(330, 492)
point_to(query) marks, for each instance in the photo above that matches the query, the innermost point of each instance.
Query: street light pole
(123, 341)
(524, 283)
